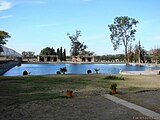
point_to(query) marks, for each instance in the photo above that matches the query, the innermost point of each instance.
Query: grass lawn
(29, 88)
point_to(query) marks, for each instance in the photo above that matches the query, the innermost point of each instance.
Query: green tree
(61, 54)
(156, 55)
(76, 46)
(130, 53)
(48, 51)
(3, 36)
(31, 54)
(139, 53)
(136, 53)
(87, 53)
(58, 53)
(122, 31)
(26, 54)
(64, 55)
(63, 70)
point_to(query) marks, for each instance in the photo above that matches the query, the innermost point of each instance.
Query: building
(30, 59)
(9, 58)
(48, 58)
(83, 58)
(9, 54)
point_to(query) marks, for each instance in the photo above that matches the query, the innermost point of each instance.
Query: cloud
(4, 5)
(6, 16)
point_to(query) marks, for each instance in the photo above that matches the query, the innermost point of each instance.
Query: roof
(4, 51)
(1, 49)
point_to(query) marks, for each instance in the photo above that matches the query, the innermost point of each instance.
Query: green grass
(113, 77)
(31, 88)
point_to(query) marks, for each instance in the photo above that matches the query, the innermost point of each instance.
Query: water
(44, 69)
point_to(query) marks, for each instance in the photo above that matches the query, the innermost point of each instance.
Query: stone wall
(4, 67)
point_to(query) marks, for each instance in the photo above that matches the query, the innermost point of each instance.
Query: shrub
(113, 86)
(89, 71)
(63, 70)
(58, 72)
(25, 72)
(96, 70)
(112, 77)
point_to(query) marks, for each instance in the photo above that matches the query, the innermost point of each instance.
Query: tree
(24, 54)
(31, 54)
(122, 31)
(61, 54)
(136, 53)
(3, 36)
(58, 52)
(139, 53)
(130, 53)
(87, 53)
(64, 55)
(156, 55)
(48, 51)
(76, 46)
(27, 54)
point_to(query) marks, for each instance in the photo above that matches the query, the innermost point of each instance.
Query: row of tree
(122, 33)
(28, 54)
(119, 57)
(138, 54)
(61, 53)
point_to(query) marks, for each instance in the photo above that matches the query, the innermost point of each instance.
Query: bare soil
(89, 108)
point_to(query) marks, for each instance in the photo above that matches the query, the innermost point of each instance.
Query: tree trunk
(126, 55)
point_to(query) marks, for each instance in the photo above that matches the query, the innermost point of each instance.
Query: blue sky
(35, 24)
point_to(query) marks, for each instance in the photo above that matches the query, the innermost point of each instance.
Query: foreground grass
(30, 88)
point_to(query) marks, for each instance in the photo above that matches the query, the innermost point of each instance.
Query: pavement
(150, 114)
(146, 72)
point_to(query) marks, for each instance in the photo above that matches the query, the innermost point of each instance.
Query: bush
(63, 70)
(112, 77)
(96, 70)
(113, 86)
(58, 72)
(25, 72)
(89, 71)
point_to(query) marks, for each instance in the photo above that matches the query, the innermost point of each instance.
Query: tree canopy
(155, 54)
(26, 54)
(48, 51)
(76, 46)
(3, 37)
(123, 32)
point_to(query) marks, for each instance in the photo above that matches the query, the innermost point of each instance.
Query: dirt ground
(147, 98)
(89, 108)
(141, 90)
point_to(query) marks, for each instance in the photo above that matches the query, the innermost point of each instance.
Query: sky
(36, 24)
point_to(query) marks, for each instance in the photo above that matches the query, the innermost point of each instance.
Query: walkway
(140, 109)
